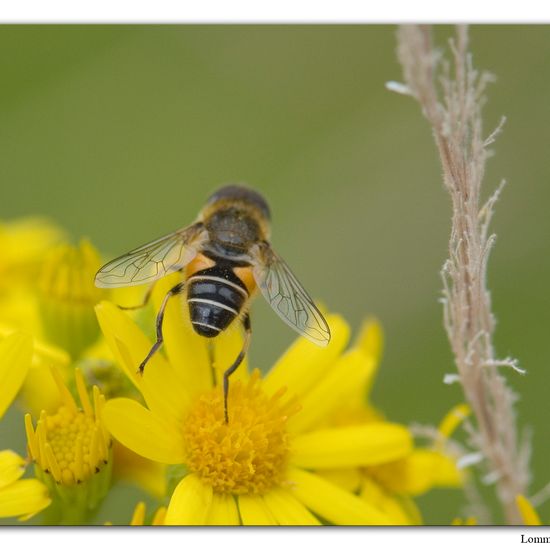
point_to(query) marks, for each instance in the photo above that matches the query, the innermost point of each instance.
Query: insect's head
(240, 193)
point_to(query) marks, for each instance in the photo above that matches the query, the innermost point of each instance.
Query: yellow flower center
(73, 441)
(247, 455)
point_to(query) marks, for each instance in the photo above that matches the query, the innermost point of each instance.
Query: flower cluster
(303, 445)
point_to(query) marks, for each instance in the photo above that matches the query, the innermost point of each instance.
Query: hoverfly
(224, 256)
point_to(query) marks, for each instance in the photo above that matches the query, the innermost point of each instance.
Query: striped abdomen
(215, 297)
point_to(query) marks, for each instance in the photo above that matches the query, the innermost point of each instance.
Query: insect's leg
(145, 301)
(146, 297)
(238, 361)
(174, 291)
(210, 349)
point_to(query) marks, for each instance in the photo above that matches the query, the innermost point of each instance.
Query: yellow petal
(159, 517)
(25, 497)
(142, 431)
(254, 511)
(444, 471)
(304, 363)
(418, 472)
(286, 509)
(12, 467)
(190, 502)
(163, 391)
(15, 359)
(138, 517)
(331, 502)
(371, 339)
(453, 419)
(337, 387)
(401, 511)
(186, 350)
(528, 513)
(116, 325)
(39, 392)
(346, 478)
(223, 510)
(364, 445)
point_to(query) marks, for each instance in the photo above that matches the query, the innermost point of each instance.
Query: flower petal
(223, 510)
(287, 509)
(419, 472)
(339, 385)
(142, 431)
(254, 511)
(401, 510)
(346, 478)
(304, 363)
(138, 517)
(362, 445)
(15, 359)
(159, 385)
(160, 515)
(371, 339)
(527, 512)
(190, 502)
(12, 467)
(25, 497)
(453, 419)
(333, 503)
(186, 350)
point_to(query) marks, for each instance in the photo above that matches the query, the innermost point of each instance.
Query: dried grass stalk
(451, 96)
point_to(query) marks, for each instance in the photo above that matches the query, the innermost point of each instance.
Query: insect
(224, 257)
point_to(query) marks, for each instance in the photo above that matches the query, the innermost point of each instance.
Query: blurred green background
(120, 133)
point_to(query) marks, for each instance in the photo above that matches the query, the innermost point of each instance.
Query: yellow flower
(257, 469)
(71, 452)
(57, 307)
(68, 296)
(390, 485)
(19, 497)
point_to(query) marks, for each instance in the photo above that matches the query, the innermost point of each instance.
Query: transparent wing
(287, 297)
(153, 260)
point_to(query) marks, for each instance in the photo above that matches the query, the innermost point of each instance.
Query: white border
(280, 11)
(361, 538)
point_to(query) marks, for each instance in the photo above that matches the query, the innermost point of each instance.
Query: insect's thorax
(232, 230)
(216, 296)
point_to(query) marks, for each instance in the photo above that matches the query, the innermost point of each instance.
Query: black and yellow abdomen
(216, 297)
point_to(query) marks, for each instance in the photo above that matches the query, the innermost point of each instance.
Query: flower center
(73, 441)
(247, 455)
(71, 444)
